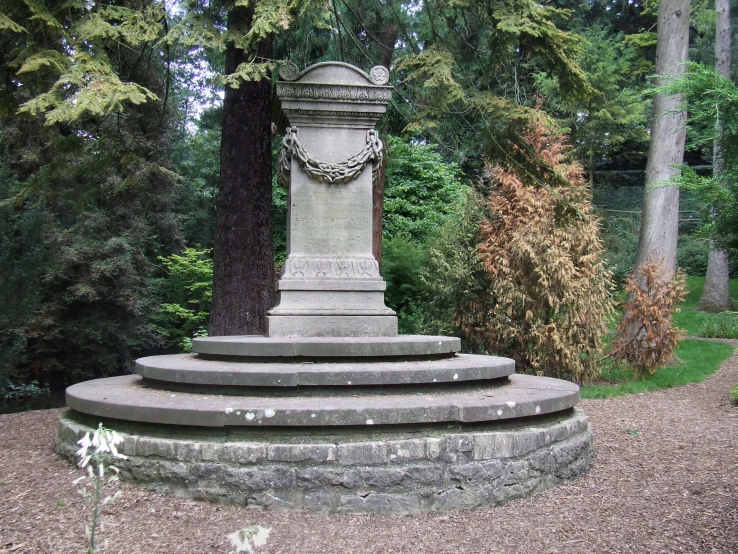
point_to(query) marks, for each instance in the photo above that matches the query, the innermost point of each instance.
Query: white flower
(85, 444)
(241, 539)
(261, 536)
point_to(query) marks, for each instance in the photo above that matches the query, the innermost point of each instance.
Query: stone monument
(332, 410)
(330, 284)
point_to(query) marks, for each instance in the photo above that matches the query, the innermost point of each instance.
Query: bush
(720, 326)
(452, 277)
(186, 294)
(550, 292)
(402, 261)
(21, 398)
(646, 338)
(692, 254)
(422, 191)
(620, 239)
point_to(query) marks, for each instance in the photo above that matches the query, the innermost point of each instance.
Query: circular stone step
(257, 346)
(128, 399)
(191, 369)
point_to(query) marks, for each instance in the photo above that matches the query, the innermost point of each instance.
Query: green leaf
(8, 24)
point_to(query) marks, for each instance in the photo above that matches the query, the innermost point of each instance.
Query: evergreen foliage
(549, 299)
(421, 190)
(712, 102)
(106, 174)
(604, 123)
(471, 78)
(95, 184)
(186, 294)
(646, 338)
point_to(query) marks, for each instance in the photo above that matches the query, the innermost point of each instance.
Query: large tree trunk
(716, 295)
(660, 219)
(243, 278)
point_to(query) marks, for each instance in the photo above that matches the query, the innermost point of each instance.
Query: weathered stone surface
(483, 472)
(447, 472)
(318, 502)
(433, 448)
(374, 502)
(363, 453)
(326, 347)
(343, 325)
(127, 398)
(329, 156)
(302, 452)
(242, 453)
(281, 500)
(316, 477)
(163, 448)
(194, 370)
(458, 498)
(413, 449)
(259, 478)
(188, 451)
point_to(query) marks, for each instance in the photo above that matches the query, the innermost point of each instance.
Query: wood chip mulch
(665, 479)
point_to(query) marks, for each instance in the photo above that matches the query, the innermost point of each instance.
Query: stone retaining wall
(431, 473)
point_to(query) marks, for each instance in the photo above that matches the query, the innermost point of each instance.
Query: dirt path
(665, 480)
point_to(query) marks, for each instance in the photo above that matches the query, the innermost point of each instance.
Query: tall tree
(243, 277)
(660, 219)
(716, 294)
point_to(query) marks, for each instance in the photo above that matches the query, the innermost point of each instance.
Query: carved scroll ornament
(325, 172)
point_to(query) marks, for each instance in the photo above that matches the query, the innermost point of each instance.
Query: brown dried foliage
(646, 338)
(550, 291)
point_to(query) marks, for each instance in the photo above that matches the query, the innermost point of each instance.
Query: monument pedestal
(334, 411)
(330, 284)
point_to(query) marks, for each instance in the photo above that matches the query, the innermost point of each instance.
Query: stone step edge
(326, 347)
(193, 369)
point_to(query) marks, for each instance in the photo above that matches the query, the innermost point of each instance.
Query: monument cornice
(353, 93)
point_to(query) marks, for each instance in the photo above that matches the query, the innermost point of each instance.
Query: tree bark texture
(388, 49)
(660, 220)
(243, 276)
(716, 294)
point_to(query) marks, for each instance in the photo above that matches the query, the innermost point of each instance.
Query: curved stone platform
(396, 471)
(193, 369)
(255, 346)
(129, 398)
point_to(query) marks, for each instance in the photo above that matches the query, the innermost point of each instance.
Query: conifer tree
(716, 294)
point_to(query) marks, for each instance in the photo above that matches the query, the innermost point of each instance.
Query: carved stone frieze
(331, 113)
(347, 93)
(330, 268)
(325, 172)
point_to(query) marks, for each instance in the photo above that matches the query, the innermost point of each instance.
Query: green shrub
(422, 191)
(452, 275)
(402, 262)
(720, 326)
(185, 294)
(620, 239)
(692, 254)
(21, 398)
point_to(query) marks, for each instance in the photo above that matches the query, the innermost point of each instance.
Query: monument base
(331, 325)
(407, 470)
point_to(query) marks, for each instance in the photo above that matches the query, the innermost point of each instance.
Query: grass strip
(699, 359)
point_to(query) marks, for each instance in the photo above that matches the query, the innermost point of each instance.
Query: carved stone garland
(325, 172)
